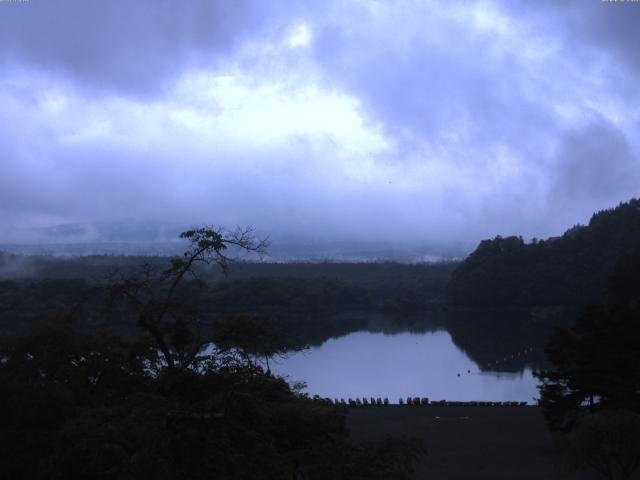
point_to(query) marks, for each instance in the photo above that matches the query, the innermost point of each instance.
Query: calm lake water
(428, 364)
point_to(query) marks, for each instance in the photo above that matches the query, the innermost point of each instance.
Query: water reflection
(427, 364)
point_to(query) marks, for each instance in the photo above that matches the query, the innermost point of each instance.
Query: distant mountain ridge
(110, 232)
(127, 237)
(570, 270)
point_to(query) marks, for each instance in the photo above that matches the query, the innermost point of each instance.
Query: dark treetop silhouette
(93, 405)
(153, 294)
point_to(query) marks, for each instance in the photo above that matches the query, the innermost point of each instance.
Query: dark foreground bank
(470, 442)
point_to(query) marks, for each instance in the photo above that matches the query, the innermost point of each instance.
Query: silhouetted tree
(596, 364)
(153, 293)
(591, 395)
(91, 405)
(570, 270)
(607, 441)
(255, 338)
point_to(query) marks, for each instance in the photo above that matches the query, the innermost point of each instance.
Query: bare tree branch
(151, 292)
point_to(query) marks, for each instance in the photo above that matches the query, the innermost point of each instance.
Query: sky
(397, 121)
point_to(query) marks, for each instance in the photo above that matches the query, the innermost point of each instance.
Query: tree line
(166, 404)
(569, 270)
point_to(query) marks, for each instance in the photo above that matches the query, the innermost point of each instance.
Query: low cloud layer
(412, 121)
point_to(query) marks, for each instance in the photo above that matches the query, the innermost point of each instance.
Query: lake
(423, 364)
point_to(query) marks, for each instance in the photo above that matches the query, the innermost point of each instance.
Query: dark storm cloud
(420, 120)
(487, 83)
(524, 81)
(132, 46)
(459, 86)
(603, 26)
(595, 166)
(597, 162)
(78, 183)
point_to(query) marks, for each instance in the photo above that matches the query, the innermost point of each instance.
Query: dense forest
(570, 270)
(82, 401)
(590, 393)
(309, 301)
(105, 372)
(596, 360)
(75, 404)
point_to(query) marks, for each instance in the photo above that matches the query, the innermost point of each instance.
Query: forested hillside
(570, 270)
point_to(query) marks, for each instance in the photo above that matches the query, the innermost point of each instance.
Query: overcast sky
(426, 121)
